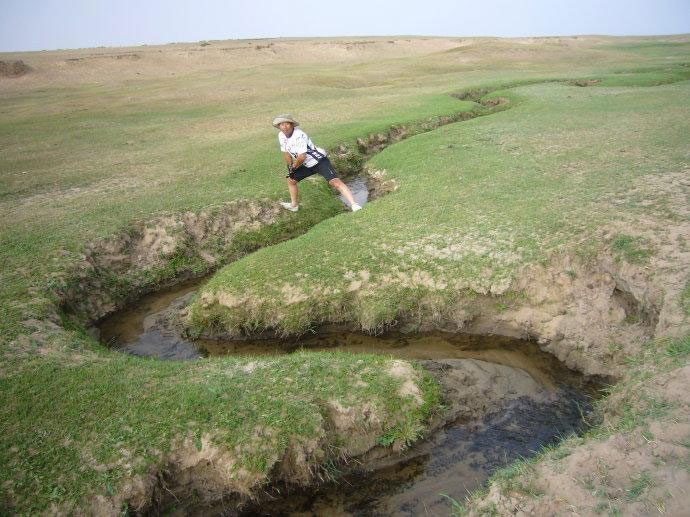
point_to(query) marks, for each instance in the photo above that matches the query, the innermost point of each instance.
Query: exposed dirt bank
(152, 254)
(204, 476)
(516, 417)
(13, 68)
(636, 464)
(576, 310)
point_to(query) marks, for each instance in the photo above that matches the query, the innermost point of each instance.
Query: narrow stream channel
(540, 402)
(455, 460)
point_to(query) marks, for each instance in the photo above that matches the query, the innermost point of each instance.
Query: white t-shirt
(297, 144)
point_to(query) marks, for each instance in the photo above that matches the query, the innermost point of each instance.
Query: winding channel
(541, 402)
(532, 400)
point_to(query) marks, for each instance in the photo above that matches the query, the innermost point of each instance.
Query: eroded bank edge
(152, 249)
(171, 248)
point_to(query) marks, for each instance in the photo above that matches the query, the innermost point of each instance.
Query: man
(304, 159)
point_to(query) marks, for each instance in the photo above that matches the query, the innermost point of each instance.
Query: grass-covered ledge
(112, 424)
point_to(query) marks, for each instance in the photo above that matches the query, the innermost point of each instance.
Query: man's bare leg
(294, 193)
(343, 189)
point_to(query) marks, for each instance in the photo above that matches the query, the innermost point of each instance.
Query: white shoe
(288, 206)
(355, 207)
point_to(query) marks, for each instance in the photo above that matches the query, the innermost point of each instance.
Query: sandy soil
(107, 65)
(114, 65)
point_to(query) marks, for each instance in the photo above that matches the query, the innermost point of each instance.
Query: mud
(142, 329)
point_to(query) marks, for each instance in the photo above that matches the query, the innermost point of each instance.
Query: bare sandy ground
(64, 67)
(116, 64)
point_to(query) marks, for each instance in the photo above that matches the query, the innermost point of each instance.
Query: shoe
(355, 207)
(288, 206)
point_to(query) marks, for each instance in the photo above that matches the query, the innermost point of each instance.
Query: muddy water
(457, 459)
(141, 330)
(136, 330)
(452, 463)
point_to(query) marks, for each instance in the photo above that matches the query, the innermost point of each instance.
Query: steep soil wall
(160, 252)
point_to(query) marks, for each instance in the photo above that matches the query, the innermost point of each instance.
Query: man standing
(304, 159)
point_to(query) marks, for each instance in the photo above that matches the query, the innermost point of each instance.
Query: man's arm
(295, 162)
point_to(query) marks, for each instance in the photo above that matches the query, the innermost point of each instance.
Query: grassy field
(92, 144)
(503, 191)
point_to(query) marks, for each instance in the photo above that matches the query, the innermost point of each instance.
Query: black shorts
(323, 167)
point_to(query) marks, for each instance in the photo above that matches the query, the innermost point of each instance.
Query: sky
(63, 24)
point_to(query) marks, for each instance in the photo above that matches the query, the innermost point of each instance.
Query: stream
(540, 401)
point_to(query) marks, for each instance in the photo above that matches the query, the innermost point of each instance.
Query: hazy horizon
(349, 36)
(35, 25)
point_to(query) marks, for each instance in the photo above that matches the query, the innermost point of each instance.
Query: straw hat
(284, 118)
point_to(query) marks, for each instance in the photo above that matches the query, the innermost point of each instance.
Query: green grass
(638, 484)
(631, 249)
(646, 79)
(502, 191)
(477, 200)
(143, 406)
(665, 49)
(678, 349)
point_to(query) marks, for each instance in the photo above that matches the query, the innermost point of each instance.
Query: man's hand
(298, 161)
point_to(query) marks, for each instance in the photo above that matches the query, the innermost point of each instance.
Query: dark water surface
(452, 463)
